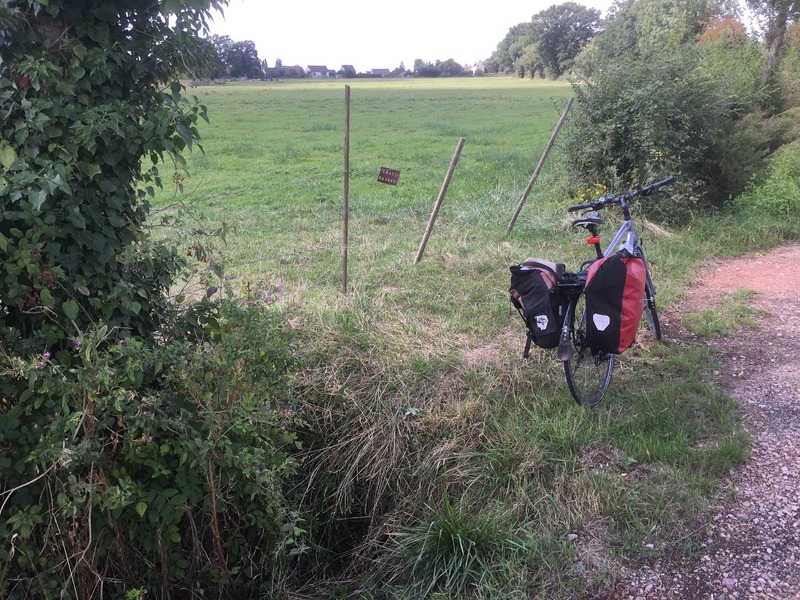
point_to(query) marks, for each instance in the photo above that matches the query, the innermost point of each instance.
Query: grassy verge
(437, 462)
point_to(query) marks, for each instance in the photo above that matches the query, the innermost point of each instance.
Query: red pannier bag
(614, 302)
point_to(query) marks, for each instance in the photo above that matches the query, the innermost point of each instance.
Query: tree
(774, 16)
(236, 59)
(243, 60)
(222, 45)
(425, 69)
(729, 32)
(530, 62)
(550, 41)
(504, 58)
(560, 33)
(640, 29)
(449, 68)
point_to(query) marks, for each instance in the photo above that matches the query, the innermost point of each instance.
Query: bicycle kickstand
(528, 341)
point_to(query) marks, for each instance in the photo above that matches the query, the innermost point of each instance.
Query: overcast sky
(376, 35)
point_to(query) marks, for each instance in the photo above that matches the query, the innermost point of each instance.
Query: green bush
(675, 114)
(86, 92)
(152, 467)
(658, 97)
(777, 195)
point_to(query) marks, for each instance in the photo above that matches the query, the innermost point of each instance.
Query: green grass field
(273, 166)
(465, 467)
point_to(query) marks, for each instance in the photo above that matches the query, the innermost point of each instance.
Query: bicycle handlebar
(629, 195)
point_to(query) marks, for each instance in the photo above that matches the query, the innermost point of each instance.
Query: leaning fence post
(540, 165)
(439, 201)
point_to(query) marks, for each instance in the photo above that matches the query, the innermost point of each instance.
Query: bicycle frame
(626, 231)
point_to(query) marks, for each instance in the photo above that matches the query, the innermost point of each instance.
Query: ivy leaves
(7, 155)
(86, 93)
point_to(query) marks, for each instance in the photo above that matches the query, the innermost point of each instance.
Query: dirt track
(750, 548)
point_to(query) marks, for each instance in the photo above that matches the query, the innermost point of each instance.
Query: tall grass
(437, 462)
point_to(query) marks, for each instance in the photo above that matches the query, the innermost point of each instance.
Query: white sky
(376, 35)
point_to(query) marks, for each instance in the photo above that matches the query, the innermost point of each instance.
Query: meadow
(436, 459)
(274, 160)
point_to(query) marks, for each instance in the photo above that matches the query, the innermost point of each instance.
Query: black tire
(588, 375)
(650, 312)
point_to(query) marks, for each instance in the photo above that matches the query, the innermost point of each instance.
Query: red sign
(388, 175)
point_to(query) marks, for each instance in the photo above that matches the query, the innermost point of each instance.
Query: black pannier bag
(614, 302)
(534, 293)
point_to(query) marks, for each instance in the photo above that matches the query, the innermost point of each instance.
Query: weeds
(731, 316)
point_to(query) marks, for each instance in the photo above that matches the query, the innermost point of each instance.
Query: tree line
(232, 59)
(550, 43)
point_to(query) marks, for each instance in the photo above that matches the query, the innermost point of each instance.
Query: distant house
(318, 71)
(348, 70)
(381, 72)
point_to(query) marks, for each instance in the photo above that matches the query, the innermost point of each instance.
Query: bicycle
(588, 371)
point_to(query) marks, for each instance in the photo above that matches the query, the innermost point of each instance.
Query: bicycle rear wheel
(588, 374)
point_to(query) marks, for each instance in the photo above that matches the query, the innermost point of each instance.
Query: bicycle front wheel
(650, 313)
(588, 374)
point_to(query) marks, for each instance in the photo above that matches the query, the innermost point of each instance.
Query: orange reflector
(593, 240)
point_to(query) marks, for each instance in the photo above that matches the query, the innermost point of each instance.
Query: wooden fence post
(439, 201)
(346, 185)
(540, 165)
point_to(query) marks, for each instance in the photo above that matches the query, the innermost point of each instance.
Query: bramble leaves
(71, 309)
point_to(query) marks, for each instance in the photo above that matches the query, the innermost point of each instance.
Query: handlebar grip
(578, 207)
(654, 187)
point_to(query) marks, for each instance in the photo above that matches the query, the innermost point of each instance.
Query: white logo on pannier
(601, 321)
(542, 321)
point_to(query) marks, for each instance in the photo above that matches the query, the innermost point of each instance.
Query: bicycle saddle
(593, 219)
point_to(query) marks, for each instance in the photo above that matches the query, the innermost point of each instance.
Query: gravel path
(751, 546)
